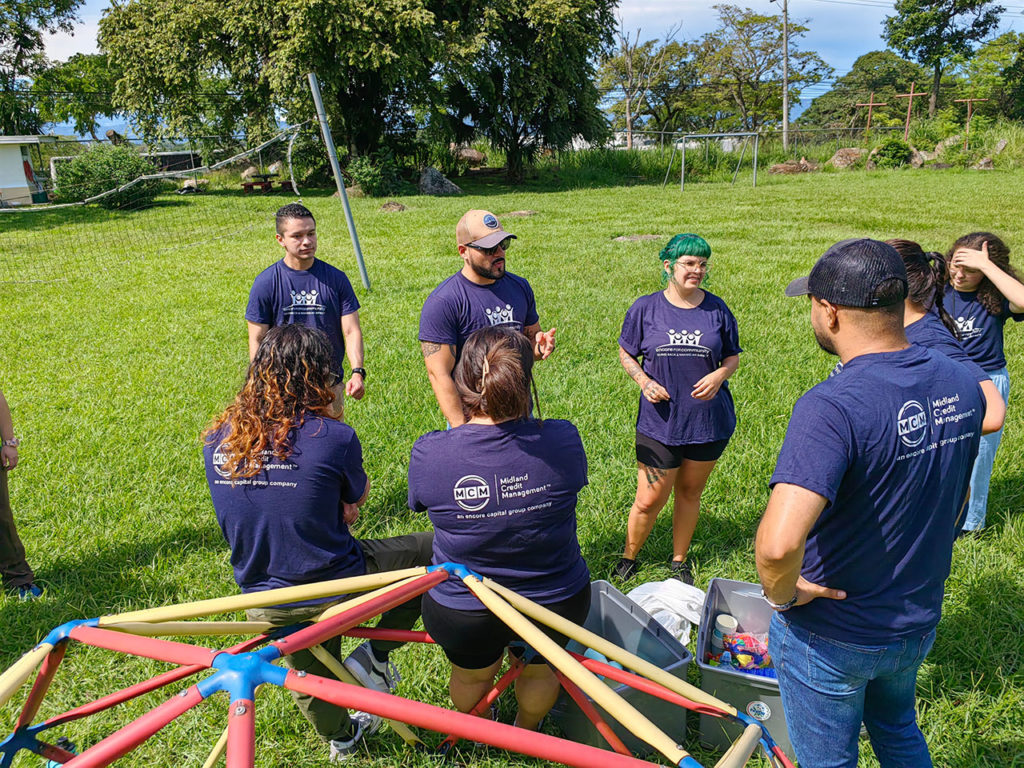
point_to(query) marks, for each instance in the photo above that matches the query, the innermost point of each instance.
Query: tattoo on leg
(654, 474)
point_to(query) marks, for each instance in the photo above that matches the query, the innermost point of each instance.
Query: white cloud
(61, 46)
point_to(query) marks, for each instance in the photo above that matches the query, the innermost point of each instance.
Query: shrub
(376, 174)
(892, 153)
(104, 167)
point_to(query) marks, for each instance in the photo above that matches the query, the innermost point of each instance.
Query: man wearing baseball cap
(856, 541)
(479, 295)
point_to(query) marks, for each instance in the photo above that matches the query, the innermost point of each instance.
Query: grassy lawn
(112, 372)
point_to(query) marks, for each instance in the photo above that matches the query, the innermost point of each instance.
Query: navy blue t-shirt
(930, 332)
(502, 499)
(890, 444)
(284, 525)
(679, 347)
(458, 306)
(980, 332)
(317, 297)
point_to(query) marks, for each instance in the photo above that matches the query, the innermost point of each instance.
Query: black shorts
(477, 639)
(652, 453)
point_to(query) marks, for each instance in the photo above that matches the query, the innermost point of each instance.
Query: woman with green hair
(688, 343)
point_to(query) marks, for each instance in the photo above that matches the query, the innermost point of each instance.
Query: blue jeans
(830, 687)
(982, 472)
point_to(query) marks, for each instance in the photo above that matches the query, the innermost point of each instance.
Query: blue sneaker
(29, 592)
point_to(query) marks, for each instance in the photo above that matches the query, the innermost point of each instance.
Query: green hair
(683, 245)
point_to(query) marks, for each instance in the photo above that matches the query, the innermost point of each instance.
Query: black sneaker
(626, 569)
(680, 569)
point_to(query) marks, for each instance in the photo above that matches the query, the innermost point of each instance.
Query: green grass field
(113, 372)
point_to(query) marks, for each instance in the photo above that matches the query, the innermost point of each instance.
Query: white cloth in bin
(673, 604)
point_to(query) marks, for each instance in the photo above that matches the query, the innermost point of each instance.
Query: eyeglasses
(694, 266)
(504, 244)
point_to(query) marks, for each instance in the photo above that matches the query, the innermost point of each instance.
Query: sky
(839, 30)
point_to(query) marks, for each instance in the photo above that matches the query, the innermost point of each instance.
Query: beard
(493, 272)
(824, 342)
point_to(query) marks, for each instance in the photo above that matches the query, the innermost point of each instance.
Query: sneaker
(626, 569)
(680, 569)
(370, 672)
(364, 724)
(29, 592)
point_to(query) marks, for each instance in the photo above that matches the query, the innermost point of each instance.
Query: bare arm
(9, 453)
(652, 390)
(353, 334)
(707, 387)
(440, 362)
(779, 548)
(995, 408)
(1011, 288)
(543, 342)
(256, 333)
(350, 511)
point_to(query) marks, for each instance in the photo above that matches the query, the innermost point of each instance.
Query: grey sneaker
(370, 672)
(680, 569)
(364, 724)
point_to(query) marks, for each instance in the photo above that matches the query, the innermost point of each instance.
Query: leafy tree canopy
(77, 91)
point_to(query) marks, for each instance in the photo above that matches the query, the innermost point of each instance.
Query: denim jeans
(830, 687)
(982, 472)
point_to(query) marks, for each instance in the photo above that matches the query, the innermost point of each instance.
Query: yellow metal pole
(217, 751)
(20, 671)
(264, 599)
(334, 610)
(741, 750)
(197, 628)
(338, 669)
(605, 697)
(609, 649)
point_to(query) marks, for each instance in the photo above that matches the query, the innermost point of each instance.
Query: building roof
(27, 139)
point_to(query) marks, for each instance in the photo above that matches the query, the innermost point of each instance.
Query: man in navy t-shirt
(479, 295)
(855, 544)
(302, 289)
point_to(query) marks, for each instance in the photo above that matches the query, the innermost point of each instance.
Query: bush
(376, 174)
(892, 153)
(104, 167)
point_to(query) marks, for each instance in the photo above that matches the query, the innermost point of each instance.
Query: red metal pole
(241, 734)
(462, 725)
(55, 753)
(592, 714)
(149, 647)
(514, 670)
(123, 741)
(397, 635)
(324, 630)
(48, 669)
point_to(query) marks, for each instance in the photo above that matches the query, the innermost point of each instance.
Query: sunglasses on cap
(504, 244)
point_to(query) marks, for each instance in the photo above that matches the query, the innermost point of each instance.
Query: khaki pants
(14, 569)
(330, 721)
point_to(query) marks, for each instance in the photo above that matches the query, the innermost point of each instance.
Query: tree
(934, 31)
(78, 91)
(744, 58)
(633, 68)
(532, 82)
(988, 74)
(22, 25)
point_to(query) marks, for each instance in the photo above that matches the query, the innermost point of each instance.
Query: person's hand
(708, 386)
(806, 591)
(654, 392)
(9, 457)
(969, 258)
(349, 513)
(354, 387)
(544, 344)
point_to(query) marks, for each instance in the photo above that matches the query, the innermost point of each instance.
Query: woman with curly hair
(689, 342)
(286, 478)
(983, 293)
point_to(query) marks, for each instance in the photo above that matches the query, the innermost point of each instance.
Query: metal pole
(325, 129)
(682, 164)
(785, 75)
(757, 138)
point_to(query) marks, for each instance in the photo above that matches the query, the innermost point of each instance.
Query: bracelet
(12, 443)
(360, 371)
(780, 607)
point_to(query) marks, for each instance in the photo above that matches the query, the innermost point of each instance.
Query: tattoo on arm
(631, 365)
(430, 348)
(654, 474)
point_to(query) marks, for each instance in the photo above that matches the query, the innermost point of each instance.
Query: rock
(636, 238)
(249, 173)
(928, 156)
(474, 158)
(433, 182)
(807, 165)
(846, 157)
(275, 167)
(947, 142)
(519, 213)
(392, 205)
(189, 186)
(939, 166)
(787, 168)
(985, 164)
(916, 158)
(354, 191)
(1000, 146)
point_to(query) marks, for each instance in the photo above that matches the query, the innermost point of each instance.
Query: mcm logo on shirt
(683, 343)
(305, 303)
(472, 493)
(912, 423)
(966, 327)
(499, 316)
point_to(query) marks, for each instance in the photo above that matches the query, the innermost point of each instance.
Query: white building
(18, 180)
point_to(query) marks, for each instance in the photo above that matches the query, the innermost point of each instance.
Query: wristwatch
(780, 607)
(360, 371)
(12, 443)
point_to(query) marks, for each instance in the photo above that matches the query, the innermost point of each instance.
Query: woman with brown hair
(501, 492)
(286, 478)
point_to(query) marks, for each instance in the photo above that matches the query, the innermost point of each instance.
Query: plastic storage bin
(756, 696)
(618, 619)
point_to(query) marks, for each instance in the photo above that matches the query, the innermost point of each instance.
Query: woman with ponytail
(501, 492)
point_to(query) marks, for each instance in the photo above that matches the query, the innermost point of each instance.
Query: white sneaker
(365, 724)
(370, 672)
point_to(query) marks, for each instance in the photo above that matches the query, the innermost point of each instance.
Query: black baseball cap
(851, 272)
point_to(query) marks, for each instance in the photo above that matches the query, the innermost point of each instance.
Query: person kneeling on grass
(501, 492)
(286, 478)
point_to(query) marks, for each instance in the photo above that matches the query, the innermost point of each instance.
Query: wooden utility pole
(871, 104)
(970, 105)
(910, 103)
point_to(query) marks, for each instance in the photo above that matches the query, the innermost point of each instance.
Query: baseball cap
(851, 272)
(480, 228)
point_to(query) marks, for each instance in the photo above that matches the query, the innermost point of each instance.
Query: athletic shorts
(652, 453)
(477, 639)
